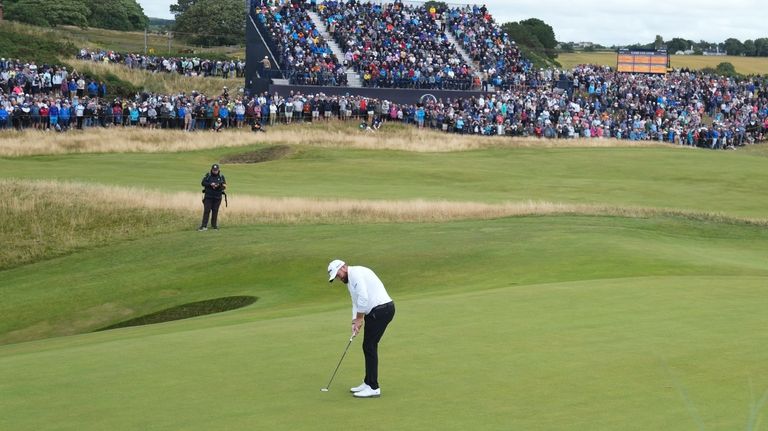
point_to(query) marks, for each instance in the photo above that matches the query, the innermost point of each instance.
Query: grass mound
(43, 220)
(120, 77)
(32, 47)
(262, 155)
(187, 311)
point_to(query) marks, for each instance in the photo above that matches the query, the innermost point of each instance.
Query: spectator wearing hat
(214, 185)
(266, 66)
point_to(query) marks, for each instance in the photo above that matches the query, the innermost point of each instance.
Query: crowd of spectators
(396, 46)
(390, 43)
(684, 107)
(604, 104)
(498, 56)
(303, 53)
(188, 66)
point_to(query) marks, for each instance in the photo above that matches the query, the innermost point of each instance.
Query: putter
(325, 389)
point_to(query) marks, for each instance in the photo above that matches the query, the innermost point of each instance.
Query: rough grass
(332, 134)
(42, 220)
(48, 219)
(162, 83)
(27, 46)
(121, 41)
(743, 65)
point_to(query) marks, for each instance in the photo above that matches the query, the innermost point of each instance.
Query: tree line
(749, 48)
(124, 15)
(210, 22)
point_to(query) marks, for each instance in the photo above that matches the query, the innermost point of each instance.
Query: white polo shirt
(366, 290)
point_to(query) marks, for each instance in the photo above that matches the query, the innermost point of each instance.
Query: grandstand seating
(496, 53)
(303, 53)
(393, 45)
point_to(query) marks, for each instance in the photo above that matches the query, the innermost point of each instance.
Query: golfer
(370, 304)
(214, 185)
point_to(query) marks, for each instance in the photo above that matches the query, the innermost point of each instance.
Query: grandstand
(403, 50)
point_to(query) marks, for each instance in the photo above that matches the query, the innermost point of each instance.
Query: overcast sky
(615, 23)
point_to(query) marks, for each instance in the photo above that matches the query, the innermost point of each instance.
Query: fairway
(564, 319)
(743, 65)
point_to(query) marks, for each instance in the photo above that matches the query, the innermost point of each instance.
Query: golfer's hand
(356, 325)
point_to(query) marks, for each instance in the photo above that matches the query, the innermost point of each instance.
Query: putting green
(581, 355)
(521, 323)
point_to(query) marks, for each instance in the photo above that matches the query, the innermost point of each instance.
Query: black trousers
(210, 207)
(376, 322)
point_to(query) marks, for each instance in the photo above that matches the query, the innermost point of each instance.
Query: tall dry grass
(333, 134)
(47, 218)
(161, 83)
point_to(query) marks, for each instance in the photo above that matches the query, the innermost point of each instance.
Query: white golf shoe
(368, 393)
(360, 388)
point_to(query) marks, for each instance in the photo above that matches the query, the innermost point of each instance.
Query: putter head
(324, 390)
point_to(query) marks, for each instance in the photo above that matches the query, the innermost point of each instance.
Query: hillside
(121, 41)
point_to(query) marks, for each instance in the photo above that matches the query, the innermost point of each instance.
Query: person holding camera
(214, 185)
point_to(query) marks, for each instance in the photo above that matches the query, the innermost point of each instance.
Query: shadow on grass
(186, 311)
(275, 152)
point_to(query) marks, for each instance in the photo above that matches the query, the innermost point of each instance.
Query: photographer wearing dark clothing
(214, 185)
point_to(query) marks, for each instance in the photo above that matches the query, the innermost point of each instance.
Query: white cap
(333, 268)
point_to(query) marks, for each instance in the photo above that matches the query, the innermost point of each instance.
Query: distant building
(688, 51)
(716, 52)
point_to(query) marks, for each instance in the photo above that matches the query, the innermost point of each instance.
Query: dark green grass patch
(187, 311)
(268, 154)
(43, 49)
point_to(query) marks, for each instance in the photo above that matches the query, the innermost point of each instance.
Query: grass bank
(331, 134)
(121, 41)
(161, 83)
(49, 219)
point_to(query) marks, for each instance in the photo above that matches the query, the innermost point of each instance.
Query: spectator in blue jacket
(93, 89)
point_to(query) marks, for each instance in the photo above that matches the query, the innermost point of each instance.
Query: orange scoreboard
(634, 61)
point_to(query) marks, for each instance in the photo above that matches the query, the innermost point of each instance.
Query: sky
(619, 22)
